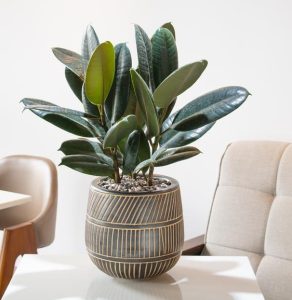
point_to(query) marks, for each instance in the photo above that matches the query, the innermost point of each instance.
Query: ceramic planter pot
(134, 235)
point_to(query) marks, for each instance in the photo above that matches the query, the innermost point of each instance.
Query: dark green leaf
(174, 155)
(177, 82)
(209, 108)
(120, 130)
(71, 123)
(74, 82)
(131, 152)
(170, 27)
(85, 147)
(89, 43)
(87, 164)
(144, 51)
(100, 73)
(146, 104)
(144, 151)
(71, 60)
(143, 165)
(164, 55)
(173, 138)
(117, 99)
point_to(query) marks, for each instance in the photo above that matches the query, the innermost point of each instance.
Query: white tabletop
(9, 199)
(48, 277)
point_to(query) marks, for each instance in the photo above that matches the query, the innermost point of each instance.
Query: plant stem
(151, 168)
(116, 166)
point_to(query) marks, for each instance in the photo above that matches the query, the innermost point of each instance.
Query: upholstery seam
(246, 188)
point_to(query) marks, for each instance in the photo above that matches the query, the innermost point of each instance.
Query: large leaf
(146, 104)
(85, 147)
(131, 152)
(144, 51)
(170, 27)
(163, 157)
(89, 43)
(87, 164)
(144, 151)
(100, 73)
(71, 123)
(120, 130)
(164, 55)
(117, 100)
(209, 108)
(74, 82)
(71, 60)
(177, 82)
(173, 138)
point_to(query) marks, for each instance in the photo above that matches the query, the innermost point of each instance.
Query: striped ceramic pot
(134, 235)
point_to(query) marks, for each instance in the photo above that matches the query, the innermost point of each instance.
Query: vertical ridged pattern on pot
(134, 236)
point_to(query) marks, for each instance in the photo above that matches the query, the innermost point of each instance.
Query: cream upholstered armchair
(251, 213)
(30, 226)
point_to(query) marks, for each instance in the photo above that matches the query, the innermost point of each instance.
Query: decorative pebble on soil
(138, 185)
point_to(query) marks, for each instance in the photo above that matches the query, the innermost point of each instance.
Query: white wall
(247, 43)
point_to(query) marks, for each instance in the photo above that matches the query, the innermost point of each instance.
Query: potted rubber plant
(134, 223)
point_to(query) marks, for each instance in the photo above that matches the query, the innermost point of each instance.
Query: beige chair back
(35, 176)
(252, 212)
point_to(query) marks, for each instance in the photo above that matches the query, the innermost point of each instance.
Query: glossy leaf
(131, 152)
(143, 165)
(117, 100)
(174, 155)
(87, 164)
(88, 106)
(74, 82)
(164, 55)
(120, 130)
(100, 73)
(89, 43)
(145, 100)
(209, 108)
(85, 147)
(177, 82)
(170, 27)
(173, 138)
(71, 60)
(144, 51)
(71, 123)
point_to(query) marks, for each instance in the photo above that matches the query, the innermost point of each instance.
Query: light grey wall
(247, 43)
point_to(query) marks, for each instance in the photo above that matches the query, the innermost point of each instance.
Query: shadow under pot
(134, 235)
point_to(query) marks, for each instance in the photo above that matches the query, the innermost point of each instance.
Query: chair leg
(17, 240)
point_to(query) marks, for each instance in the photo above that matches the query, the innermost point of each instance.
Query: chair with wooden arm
(30, 226)
(251, 214)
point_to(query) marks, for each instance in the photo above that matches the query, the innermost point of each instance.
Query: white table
(52, 277)
(9, 199)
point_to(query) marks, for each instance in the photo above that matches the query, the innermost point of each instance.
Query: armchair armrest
(194, 246)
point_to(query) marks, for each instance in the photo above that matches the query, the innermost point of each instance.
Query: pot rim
(174, 185)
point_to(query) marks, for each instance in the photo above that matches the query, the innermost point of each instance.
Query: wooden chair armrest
(194, 246)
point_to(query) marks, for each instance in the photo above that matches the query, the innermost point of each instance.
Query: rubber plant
(127, 125)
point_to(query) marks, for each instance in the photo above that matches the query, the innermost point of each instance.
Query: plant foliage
(126, 122)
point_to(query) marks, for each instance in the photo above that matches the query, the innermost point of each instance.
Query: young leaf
(164, 55)
(144, 51)
(131, 152)
(177, 82)
(120, 130)
(209, 108)
(71, 60)
(146, 104)
(100, 73)
(117, 100)
(74, 82)
(87, 164)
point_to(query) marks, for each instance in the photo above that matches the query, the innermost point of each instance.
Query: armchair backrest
(252, 212)
(35, 176)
